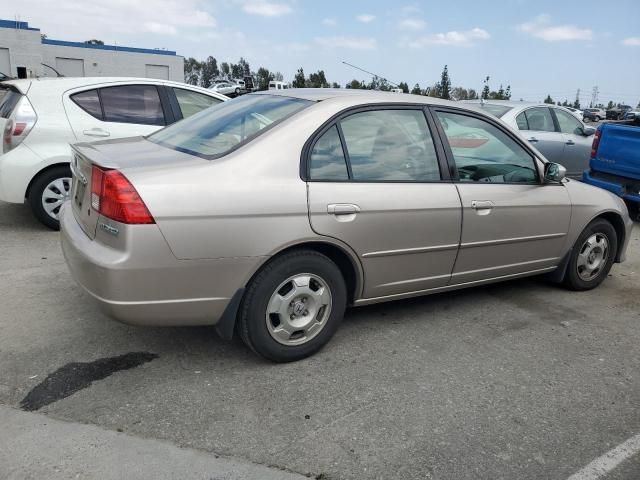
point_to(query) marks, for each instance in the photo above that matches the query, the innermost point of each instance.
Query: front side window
(191, 102)
(484, 153)
(568, 123)
(214, 132)
(132, 104)
(89, 102)
(538, 119)
(390, 145)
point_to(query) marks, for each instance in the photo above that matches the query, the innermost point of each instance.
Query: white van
(278, 85)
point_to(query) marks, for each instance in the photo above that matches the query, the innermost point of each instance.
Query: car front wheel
(592, 256)
(47, 193)
(293, 306)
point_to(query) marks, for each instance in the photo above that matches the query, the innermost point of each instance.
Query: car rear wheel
(293, 306)
(592, 256)
(47, 193)
(237, 91)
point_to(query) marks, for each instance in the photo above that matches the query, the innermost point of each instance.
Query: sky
(538, 47)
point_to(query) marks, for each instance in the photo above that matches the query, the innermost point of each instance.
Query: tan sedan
(268, 215)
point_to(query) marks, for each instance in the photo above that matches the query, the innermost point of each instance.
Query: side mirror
(554, 172)
(587, 131)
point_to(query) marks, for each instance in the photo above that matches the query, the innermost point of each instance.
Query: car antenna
(56, 71)
(374, 74)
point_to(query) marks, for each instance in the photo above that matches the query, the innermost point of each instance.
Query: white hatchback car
(39, 118)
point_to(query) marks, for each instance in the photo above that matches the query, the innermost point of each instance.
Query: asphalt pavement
(519, 380)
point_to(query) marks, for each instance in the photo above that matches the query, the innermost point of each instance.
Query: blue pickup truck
(615, 161)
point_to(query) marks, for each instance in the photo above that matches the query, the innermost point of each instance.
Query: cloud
(330, 22)
(541, 27)
(631, 42)
(411, 24)
(453, 38)
(265, 8)
(354, 43)
(116, 20)
(366, 18)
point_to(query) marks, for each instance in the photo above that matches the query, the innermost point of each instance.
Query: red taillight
(113, 196)
(595, 144)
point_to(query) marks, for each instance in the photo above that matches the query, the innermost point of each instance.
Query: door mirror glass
(587, 131)
(554, 172)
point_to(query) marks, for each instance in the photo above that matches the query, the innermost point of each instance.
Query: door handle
(342, 208)
(96, 132)
(533, 140)
(570, 142)
(482, 204)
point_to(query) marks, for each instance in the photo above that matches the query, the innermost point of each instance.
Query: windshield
(216, 131)
(495, 110)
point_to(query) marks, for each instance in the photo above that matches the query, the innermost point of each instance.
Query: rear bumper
(617, 186)
(143, 283)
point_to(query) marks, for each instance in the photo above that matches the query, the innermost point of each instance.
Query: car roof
(61, 84)
(358, 95)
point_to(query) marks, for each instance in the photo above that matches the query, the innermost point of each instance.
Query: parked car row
(553, 130)
(269, 214)
(39, 118)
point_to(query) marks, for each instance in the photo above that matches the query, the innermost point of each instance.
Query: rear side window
(539, 119)
(132, 104)
(89, 101)
(191, 102)
(390, 145)
(8, 102)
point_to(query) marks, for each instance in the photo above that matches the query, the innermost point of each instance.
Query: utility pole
(594, 96)
(575, 105)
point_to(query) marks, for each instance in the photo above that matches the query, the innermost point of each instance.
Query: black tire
(573, 280)
(37, 190)
(237, 92)
(252, 322)
(598, 118)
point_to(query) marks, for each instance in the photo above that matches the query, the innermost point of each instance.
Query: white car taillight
(18, 125)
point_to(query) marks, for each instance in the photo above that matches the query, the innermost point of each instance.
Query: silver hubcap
(593, 256)
(54, 195)
(298, 310)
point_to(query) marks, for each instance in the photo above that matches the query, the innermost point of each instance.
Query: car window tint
(540, 119)
(191, 102)
(327, 158)
(391, 145)
(521, 121)
(132, 104)
(89, 102)
(484, 153)
(568, 123)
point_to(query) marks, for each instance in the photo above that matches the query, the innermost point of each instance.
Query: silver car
(555, 131)
(268, 215)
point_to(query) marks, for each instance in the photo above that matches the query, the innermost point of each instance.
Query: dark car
(618, 112)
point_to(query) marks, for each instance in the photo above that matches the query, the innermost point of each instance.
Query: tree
(317, 80)
(416, 90)
(94, 41)
(486, 90)
(237, 70)
(209, 72)
(298, 79)
(610, 105)
(473, 95)
(549, 100)
(192, 71)
(243, 66)
(335, 85)
(435, 91)
(263, 77)
(576, 104)
(444, 90)
(355, 84)
(225, 69)
(278, 77)
(404, 87)
(507, 93)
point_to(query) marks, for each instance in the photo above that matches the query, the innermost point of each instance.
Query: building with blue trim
(25, 53)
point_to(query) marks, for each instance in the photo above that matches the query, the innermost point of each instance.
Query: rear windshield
(8, 100)
(216, 131)
(495, 110)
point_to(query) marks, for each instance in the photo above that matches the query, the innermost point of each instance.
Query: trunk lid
(134, 155)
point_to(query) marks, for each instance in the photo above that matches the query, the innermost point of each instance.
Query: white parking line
(601, 466)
